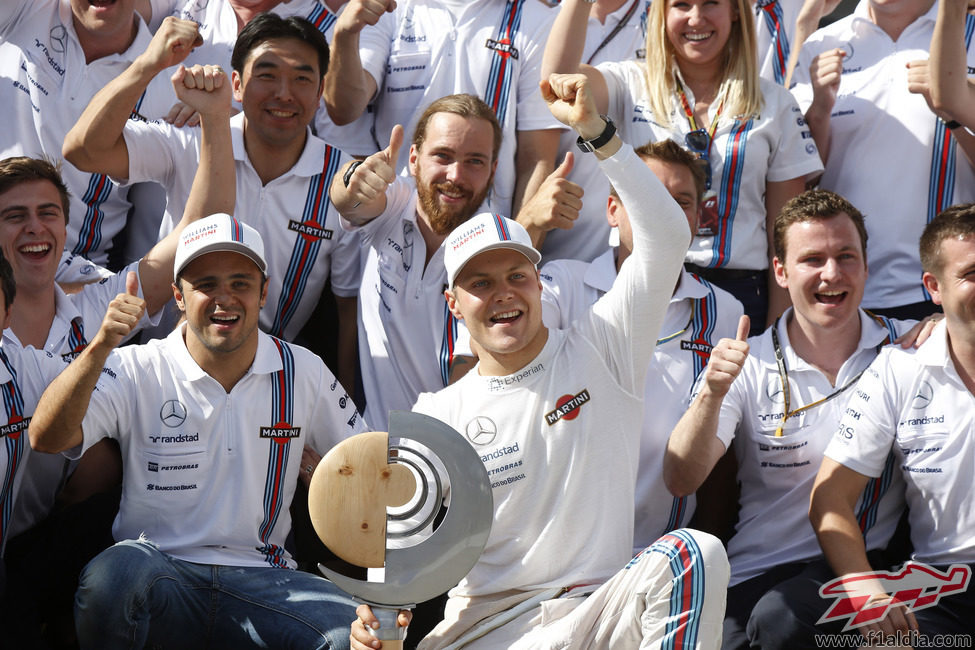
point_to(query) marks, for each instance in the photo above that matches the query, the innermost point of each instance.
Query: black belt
(709, 272)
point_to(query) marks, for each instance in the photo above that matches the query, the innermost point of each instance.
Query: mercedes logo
(172, 413)
(482, 430)
(773, 389)
(923, 396)
(59, 39)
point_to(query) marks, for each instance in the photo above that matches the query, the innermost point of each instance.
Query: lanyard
(784, 379)
(690, 114)
(616, 30)
(671, 337)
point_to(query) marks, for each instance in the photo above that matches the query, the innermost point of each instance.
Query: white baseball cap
(218, 232)
(485, 232)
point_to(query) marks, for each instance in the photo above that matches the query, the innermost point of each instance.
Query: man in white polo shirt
(402, 56)
(915, 405)
(778, 398)
(54, 56)
(699, 314)
(409, 342)
(862, 83)
(283, 170)
(211, 422)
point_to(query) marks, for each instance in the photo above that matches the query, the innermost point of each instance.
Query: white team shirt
(303, 241)
(209, 475)
(775, 34)
(420, 53)
(589, 235)
(698, 316)
(878, 129)
(24, 374)
(407, 336)
(218, 28)
(47, 86)
(777, 473)
(775, 146)
(77, 318)
(912, 403)
(560, 437)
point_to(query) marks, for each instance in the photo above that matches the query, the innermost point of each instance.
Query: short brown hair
(956, 222)
(669, 151)
(21, 169)
(815, 205)
(464, 105)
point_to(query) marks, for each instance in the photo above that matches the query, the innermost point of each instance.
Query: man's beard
(444, 218)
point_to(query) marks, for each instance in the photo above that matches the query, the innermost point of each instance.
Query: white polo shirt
(560, 437)
(407, 336)
(209, 475)
(492, 49)
(777, 473)
(775, 34)
(698, 316)
(218, 28)
(745, 156)
(589, 236)
(24, 374)
(77, 318)
(912, 403)
(293, 213)
(882, 133)
(47, 85)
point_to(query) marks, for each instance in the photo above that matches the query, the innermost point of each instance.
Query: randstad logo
(916, 586)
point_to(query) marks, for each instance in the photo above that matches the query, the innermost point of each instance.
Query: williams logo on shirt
(309, 230)
(282, 432)
(567, 407)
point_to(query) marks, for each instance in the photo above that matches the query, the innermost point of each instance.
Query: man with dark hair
(408, 340)
(283, 170)
(698, 315)
(778, 397)
(211, 422)
(914, 405)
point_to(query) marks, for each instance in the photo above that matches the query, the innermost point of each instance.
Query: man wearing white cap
(555, 414)
(211, 422)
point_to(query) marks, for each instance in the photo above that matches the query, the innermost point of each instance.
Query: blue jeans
(132, 595)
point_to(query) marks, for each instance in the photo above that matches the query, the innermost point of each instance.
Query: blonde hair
(740, 86)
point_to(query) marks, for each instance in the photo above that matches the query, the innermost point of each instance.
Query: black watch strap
(600, 140)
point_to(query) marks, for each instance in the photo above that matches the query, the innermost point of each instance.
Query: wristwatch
(601, 139)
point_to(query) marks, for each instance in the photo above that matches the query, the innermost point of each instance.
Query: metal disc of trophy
(364, 476)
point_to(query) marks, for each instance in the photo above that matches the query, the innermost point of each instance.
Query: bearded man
(409, 342)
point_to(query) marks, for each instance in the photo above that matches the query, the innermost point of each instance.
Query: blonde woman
(700, 86)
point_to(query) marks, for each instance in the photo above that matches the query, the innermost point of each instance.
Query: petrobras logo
(567, 407)
(916, 586)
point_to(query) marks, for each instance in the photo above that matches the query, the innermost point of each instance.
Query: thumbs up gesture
(124, 313)
(370, 179)
(727, 359)
(556, 204)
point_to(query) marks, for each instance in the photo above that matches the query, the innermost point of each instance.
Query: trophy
(366, 495)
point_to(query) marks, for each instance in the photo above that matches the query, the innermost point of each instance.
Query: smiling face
(953, 284)
(221, 294)
(32, 233)
(108, 23)
(824, 271)
(453, 168)
(279, 90)
(698, 30)
(499, 297)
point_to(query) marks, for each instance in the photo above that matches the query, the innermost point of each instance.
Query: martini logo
(281, 432)
(696, 346)
(567, 407)
(14, 427)
(504, 47)
(916, 586)
(309, 230)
